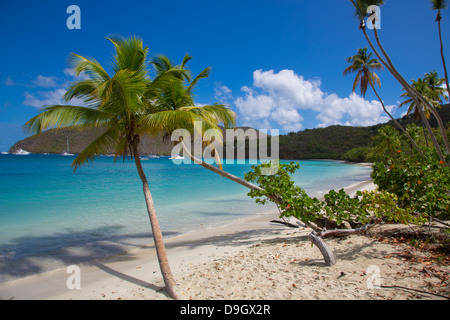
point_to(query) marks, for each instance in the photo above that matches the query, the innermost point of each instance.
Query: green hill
(321, 143)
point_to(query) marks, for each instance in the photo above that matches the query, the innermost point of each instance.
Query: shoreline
(122, 273)
(246, 259)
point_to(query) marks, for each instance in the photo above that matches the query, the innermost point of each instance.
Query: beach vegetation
(336, 214)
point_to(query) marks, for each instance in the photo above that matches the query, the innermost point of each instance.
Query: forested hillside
(322, 143)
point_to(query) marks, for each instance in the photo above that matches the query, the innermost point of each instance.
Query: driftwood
(323, 247)
(316, 237)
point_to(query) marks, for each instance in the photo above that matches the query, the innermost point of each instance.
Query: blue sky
(277, 63)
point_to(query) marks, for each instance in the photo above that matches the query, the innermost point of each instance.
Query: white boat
(21, 152)
(177, 157)
(67, 153)
(4, 152)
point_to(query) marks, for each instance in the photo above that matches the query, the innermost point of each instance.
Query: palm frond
(130, 55)
(62, 116)
(104, 143)
(439, 4)
(123, 93)
(91, 67)
(204, 74)
(215, 113)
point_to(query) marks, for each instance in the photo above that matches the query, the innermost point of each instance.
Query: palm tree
(360, 13)
(441, 5)
(430, 88)
(364, 65)
(420, 86)
(436, 93)
(388, 141)
(181, 94)
(126, 104)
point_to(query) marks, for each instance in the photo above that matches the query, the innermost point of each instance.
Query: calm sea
(51, 216)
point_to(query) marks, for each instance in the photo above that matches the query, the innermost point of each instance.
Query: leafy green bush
(337, 206)
(420, 184)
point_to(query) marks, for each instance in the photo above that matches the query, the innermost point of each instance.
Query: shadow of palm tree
(25, 256)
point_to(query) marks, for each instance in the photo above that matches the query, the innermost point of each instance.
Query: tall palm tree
(441, 5)
(360, 12)
(364, 65)
(126, 105)
(436, 93)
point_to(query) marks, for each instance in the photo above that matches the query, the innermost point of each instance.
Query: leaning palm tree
(124, 104)
(361, 11)
(364, 65)
(441, 5)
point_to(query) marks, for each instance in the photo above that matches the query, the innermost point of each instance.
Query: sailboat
(21, 152)
(67, 153)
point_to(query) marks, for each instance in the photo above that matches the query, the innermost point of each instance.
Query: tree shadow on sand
(25, 256)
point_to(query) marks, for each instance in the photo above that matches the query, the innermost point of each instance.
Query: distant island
(333, 142)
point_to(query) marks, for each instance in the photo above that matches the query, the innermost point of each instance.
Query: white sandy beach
(247, 259)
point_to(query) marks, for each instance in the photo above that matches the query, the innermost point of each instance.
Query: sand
(248, 259)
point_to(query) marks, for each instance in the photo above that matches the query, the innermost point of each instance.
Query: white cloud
(48, 98)
(56, 88)
(45, 82)
(222, 92)
(282, 98)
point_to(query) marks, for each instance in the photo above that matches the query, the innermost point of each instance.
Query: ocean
(52, 216)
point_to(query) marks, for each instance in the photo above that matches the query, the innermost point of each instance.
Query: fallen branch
(323, 247)
(290, 225)
(346, 232)
(417, 290)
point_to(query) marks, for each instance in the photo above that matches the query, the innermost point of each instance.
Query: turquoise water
(50, 215)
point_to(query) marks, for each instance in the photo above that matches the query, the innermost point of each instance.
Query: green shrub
(420, 184)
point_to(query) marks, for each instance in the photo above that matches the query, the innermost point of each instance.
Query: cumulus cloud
(45, 82)
(222, 92)
(282, 97)
(55, 90)
(47, 98)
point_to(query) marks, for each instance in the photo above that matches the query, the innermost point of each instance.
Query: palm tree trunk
(442, 54)
(407, 86)
(396, 122)
(169, 280)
